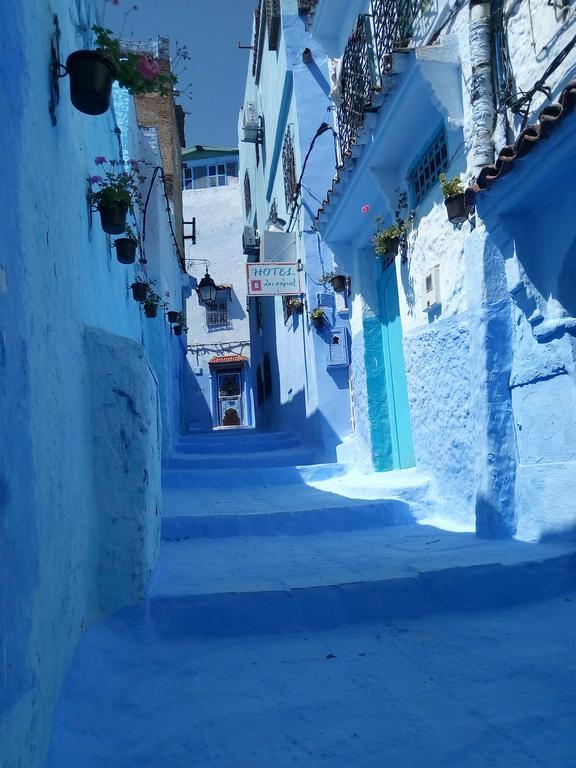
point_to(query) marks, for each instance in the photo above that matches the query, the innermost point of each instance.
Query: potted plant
(338, 282)
(177, 330)
(296, 306)
(173, 316)
(114, 193)
(454, 200)
(151, 302)
(386, 241)
(92, 72)
(139, 290)
(126, 246)
(317, 317)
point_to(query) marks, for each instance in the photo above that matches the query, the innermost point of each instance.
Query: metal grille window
(424, 173)
(217, 313)
(356, 85)
(289, 166)
(247, 194)
(393, 27)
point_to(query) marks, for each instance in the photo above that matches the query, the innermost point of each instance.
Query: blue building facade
(462, 340)
(286, 160)
(90, 386)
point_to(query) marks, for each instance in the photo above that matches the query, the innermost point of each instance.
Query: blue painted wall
(308, 396)
(79, 451)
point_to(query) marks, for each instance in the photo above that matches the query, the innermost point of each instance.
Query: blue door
(400, 450)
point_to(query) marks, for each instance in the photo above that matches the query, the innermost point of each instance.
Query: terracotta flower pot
(91, 77)
(339, 283)
(139, 291)
(113, 219)
(125, 250)
(456, 208)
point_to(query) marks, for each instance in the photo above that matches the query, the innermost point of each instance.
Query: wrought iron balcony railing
(367, 59)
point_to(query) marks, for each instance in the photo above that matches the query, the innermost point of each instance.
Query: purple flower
(99, 160)
(148, 68)
(96, 180)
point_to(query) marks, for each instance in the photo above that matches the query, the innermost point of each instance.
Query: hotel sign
(273, 278)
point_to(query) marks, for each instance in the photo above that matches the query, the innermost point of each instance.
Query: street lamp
(207, 289)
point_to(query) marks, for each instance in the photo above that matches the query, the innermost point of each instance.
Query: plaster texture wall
(58, 276)
(490, 370)
(307, 396)
(219, 225)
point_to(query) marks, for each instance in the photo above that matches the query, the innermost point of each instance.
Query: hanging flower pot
(125, 250)
(113, 220)
(456, 208)
(139, 291)
(150, 309)
(91, 77)
(177, 329)
(389, 246)
(296, 307)
(317, 317)
(173, 316)
(338, 283)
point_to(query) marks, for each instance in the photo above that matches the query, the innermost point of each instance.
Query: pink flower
(99, 160)
(148, 67)
(96, 180)
(365, 208)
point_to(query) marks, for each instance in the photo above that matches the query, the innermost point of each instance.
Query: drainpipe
(482, 90)
(489, 318)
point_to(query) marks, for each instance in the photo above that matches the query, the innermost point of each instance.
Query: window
(289, 166)
(213, 175)
(424, 173)
(247, 195)
(217, 313)
(186, 177)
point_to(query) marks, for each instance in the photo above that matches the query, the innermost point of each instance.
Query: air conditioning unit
(252, 124)
(431, 289)
(250, 241)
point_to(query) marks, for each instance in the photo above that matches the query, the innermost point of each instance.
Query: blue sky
(216, 71)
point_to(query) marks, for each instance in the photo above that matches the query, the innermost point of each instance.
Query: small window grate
(425, 172)
(247, 195)
(289, 166)
(217, 314)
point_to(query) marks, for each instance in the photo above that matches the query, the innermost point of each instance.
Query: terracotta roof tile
(227, 359)
(548, 121)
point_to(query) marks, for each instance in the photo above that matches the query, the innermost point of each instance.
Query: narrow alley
(292, 625)
(288, 384)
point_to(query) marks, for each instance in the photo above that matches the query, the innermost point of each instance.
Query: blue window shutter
(337, 349)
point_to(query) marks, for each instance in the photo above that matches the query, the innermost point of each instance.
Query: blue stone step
(255, 585)
(279, 458)
(260, 443)
(338, 514)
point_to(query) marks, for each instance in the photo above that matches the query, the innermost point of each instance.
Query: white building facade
(218, 386)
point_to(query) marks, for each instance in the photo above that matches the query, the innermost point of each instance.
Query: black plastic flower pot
(150, 310)
(391, 245)
(91, 77)
(139, 291)
(339, 283)
(177, 329)
(456, 208)
(125, 250)
(172, 316)
(113, 220)
(296, 309)
(318, 322)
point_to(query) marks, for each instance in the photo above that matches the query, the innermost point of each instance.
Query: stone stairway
(255, 540)
(282, 626)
